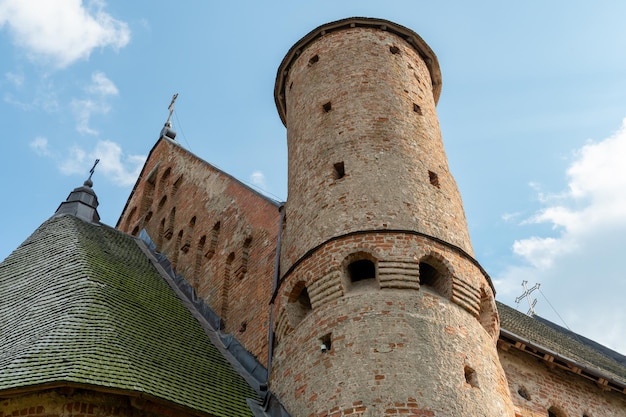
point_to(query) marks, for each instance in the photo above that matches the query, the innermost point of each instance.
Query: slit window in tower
(471, 377)
(417, 109)
(314, 59)
(340, 170)
(327, 107)
(434, 178)
(523, 392)
(326, 343)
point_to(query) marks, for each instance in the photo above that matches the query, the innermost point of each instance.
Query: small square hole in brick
(327, 107)
(394, 49)
(417, 109)
(314, 59)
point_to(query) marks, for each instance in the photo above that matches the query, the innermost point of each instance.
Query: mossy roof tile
(82, 303)
(566, 343)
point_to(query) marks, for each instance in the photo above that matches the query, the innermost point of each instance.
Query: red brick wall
(393, 340)
(387, 148)
(235, 280)
(573, 395)
(66, 402)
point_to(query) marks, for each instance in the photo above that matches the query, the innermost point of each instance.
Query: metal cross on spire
(93, 169)
(171, 109)
(526, 294)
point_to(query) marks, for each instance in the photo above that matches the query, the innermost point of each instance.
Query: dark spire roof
(82, 203)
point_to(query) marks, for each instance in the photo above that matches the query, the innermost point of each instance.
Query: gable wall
(228, 254)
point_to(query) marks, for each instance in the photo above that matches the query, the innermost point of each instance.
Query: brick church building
(358, 296)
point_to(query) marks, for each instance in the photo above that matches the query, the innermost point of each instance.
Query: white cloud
(101, 85)
(16, 79)
(579, 265)
(83, 109)
(115, 165)
(63, 31)
(258, 178)
(40, 146)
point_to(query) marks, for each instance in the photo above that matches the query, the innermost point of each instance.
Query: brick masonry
(369, 181)
(219, 234)
(547, 387)
(73, 402)
(388, 150)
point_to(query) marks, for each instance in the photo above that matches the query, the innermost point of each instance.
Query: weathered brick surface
(388, 344)
(369, 179)
(219, 234)
(65, 402)
(387, 148)
(552, 387)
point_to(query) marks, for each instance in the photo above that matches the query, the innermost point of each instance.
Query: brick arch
(130, 217)
(436, 272)
(164, 180)
(359, 270)
(556, 411)
(298, 304)
(488, 313)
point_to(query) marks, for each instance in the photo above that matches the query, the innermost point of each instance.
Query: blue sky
(532, 114)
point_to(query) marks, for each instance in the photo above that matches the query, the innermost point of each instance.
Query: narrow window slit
(314, 59)
(326, 343)
(471, 377)
(417, 109)
(327, 107)
(340, 170)
(434, 179)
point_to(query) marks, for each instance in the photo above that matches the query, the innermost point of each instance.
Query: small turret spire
(167, 130)
(82, 201)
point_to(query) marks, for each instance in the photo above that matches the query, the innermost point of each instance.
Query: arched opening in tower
(431, 277)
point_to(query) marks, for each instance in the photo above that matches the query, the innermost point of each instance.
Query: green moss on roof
(82, 303)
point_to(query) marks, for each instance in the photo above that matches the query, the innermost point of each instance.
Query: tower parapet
(380, 307)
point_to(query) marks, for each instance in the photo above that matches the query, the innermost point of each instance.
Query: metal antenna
(526, 294)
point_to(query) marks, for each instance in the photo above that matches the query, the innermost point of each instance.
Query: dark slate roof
(81, 303)
(571, 347)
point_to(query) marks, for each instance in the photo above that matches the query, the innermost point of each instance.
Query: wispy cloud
(40, 146)
(17, 80)
(116, 166)
(580, 263)
(258, 178)
(101, 85)
(61, 32)
(98, 90)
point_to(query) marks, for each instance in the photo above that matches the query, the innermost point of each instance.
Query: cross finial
(526, 294)
(171, 109)
(93, 168)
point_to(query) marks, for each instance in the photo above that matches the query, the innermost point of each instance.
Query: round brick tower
(380, 308)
